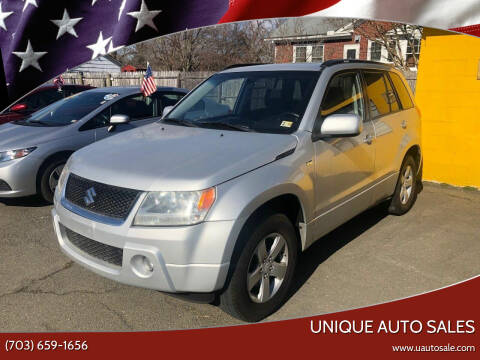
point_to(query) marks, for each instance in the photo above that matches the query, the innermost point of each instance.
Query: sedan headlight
(15, 154)
(175, 208)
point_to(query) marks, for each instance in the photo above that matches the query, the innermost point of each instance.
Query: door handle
(404, 124)
(368, 139)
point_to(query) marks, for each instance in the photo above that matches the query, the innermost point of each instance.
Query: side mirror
(118, 119)
(18, 107)
(166, 110)
(341, 125)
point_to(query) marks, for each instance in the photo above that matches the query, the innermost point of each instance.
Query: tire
(254, 305)
(407, 188)
(47, 174)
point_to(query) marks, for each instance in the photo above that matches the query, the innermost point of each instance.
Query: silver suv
(217, 199)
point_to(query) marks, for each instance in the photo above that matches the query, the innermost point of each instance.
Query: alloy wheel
(267, 268)
(407, 185)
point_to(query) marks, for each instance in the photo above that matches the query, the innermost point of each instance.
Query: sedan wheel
(54, 177)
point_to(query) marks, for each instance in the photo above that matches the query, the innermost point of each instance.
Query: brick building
(317, 40)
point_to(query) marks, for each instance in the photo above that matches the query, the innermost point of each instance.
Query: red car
(37, 99)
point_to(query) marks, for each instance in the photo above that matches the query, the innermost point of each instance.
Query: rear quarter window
(402, 91)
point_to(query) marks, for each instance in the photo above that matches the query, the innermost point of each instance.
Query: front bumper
(185, 259)
(20, 175)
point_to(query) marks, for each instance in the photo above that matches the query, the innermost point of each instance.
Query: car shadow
(329, 244)
(28, 201)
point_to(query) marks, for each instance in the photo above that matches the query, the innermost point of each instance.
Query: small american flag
(148, 85)
(58, 82)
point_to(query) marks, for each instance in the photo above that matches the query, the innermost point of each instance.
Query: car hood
(14, 136)
(160, 157)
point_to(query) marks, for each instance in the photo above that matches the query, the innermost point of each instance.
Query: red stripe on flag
(248, 9)
(471, 30)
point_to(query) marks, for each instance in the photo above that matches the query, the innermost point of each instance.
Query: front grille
(106, 200)
(4, 186)
(110, 254)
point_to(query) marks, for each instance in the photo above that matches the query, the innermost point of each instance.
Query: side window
(402, 91)
(342, 96)
(391, 96)
(379, 97)
(100, 120)
(136, 106)
(166, 99)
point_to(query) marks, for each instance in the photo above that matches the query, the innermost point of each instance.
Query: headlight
(170, 208)
(15, 154)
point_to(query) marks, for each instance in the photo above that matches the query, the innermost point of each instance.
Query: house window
(392, 49)
(300, 54)
(413, 52)
(375, 51)
(317, 53)
(308, 53)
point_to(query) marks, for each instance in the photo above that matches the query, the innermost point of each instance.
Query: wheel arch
(286, 202)
(64, 154)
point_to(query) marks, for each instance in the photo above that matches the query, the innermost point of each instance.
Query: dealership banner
(73, 32)
(440, 324)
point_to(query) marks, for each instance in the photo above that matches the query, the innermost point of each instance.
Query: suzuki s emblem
(90, 195)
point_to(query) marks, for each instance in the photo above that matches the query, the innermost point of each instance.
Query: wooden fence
(186, 80)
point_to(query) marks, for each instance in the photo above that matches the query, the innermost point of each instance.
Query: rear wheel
(264, 272)
(49, 179)
(407, 188)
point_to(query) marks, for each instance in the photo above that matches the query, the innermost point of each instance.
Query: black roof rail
(352, 61)
(242, 65)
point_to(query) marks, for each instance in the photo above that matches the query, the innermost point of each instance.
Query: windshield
(262, 101)
(69, 110)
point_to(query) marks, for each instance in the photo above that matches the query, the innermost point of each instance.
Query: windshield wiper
(222, 125)
(179, 122)
(38, 122)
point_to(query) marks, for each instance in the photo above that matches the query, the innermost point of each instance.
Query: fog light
(142, 266)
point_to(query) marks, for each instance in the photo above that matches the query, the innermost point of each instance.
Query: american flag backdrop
(40, 39)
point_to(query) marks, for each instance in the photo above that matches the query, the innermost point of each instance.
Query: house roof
(310, 27)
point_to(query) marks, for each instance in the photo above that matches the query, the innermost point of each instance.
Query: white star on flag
(99, 47)
(29, 57)
(66, 25)
(3, 16)
(29, 2)
(144, 17)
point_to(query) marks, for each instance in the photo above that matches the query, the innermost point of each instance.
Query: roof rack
(351, 61)
(242, 65)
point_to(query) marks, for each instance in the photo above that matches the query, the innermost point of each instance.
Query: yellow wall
(448, 95)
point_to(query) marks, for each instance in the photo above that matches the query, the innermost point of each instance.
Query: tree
(390, 36)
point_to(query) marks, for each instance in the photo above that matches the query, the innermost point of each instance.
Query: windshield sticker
(287, 124)
(109, 97)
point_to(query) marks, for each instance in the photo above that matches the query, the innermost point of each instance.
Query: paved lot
(371, 259)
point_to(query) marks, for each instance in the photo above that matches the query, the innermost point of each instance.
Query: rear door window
(402, 91)
(379, 98)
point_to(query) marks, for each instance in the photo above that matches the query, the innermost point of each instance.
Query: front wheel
(49, 179)
(264, 272)
(407, 188)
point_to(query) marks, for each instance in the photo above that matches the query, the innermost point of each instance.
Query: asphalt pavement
(372, 259)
